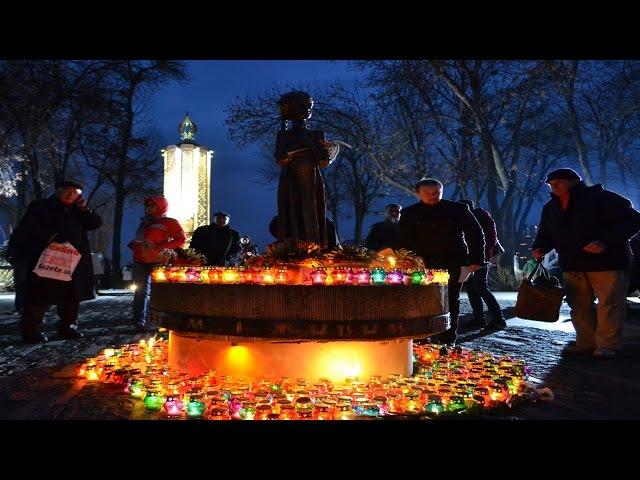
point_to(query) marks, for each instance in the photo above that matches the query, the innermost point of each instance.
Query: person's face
(68, 195)
(560, 186)
(430, 194)
(221, 220)
(393, 214)
(150, 208)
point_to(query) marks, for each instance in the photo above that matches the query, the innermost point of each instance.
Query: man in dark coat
(478, 285)
(63, 217)
(590, 228)
(218, 242)
(447, 236)
(385, 234)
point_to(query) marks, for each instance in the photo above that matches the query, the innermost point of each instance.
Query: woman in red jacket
(155, 233)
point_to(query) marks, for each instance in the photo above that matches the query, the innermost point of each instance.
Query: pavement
(38, 382)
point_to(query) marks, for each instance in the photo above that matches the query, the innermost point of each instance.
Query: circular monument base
(196, 353)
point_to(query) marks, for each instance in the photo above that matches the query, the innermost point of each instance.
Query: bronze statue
(301, 153)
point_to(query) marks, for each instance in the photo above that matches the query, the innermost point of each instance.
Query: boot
(69, 332)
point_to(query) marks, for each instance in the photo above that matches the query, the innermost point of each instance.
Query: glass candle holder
(417, 276)
(195, 407)
(230, 275)
(363, 277)
(395, 277)
(153, 401)
(192, 275)
(215, 275)
(378, 276)
(318, 276)
(282, 276)
(219, 412)
(267, 277)
(159, 275)
(173, 406)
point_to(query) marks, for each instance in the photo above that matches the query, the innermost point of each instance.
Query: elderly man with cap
(590, 228)
(63, 217)
(218, 242)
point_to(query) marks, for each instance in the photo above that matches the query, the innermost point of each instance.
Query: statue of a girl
(301, 153)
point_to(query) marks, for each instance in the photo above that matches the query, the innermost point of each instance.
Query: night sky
(214, 86)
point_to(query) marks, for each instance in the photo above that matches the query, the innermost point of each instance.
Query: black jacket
(382, 235)
(218, 244)
(34, 231)
(444, 235)
(593, 213)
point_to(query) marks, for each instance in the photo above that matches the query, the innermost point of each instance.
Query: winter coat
(444, 235)
(155, 234)
(218, 244)
(382, 235)
(492, 245)
(593, 213)
(49, 220)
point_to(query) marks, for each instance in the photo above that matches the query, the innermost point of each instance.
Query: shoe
(475, 324)
(495, 326)
(573, 351)
(34, 338)
(70, 333)
(609, 353)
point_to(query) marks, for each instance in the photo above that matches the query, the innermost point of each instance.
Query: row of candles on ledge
(447, 381)
(302, 276)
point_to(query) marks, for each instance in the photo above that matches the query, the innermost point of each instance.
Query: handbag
(540, 298)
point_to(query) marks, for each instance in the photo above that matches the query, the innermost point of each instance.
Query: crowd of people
(592, 231)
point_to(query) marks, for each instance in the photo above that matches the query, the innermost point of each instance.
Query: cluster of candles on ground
(447, 381)
(300, 276)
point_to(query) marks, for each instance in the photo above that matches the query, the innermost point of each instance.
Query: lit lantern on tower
(187, 179)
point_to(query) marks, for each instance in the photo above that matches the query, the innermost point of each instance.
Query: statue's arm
(281, 154)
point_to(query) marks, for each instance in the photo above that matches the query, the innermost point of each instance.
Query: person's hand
(594, 247)
(475, 267)
(81, 203)
(537, 254)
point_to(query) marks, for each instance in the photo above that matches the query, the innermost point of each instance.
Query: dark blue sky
(213, 86)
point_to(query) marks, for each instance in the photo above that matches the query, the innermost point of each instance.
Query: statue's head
(295, 105)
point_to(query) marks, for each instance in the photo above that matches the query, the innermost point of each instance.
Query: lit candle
(195, 407)
(392, 261)
(339, 276)
(378, 276)
(92, 374)
(159, 275)
(214, 275)
(249, 275)
(173, 406)
(417, 276)
(434, 405)
(136, 389)
(281, 276)
(230, 275)
(153, 401)
(267, 277)
(318, 276)
(363, 277)
(192, 275)
(395, 277)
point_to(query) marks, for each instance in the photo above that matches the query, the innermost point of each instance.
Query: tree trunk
(583, 157)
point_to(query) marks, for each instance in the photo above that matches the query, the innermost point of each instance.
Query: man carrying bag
(590, 228)
(47, 236)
